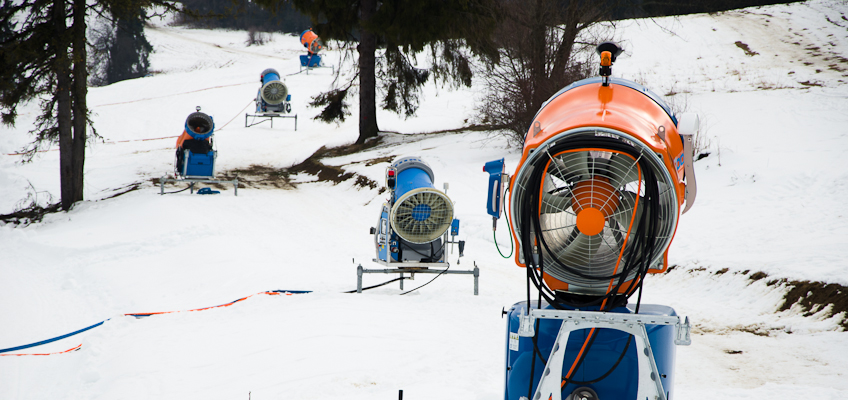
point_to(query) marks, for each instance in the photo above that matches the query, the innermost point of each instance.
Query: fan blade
(570, 166)
(553, 203)
(624, 213)
(580, 251)
(274, 92)
(622, 170)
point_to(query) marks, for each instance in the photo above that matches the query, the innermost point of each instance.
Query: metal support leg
(476, 276)
(412, 268)
(359, 279)
(162, 185)
(235, 186)
(191, 188)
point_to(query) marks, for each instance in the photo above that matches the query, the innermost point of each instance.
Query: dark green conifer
(401, 29)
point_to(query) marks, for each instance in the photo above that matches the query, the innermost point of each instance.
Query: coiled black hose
(637, 257)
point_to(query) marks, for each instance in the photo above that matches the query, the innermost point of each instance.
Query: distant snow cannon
(195, 155)
(311, 41)
(411, 235)
(273, 95)
(593, 206)
(313, 45)
(273, 100)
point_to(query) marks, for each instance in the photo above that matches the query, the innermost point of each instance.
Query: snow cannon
(313, 45)
(605, 172)
(412, 224)
(195, 155)
(411, 236)
(273, 95)
(311, 41)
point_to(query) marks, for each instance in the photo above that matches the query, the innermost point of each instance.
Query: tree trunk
(367, 79)
(63, 105)
(80, 91)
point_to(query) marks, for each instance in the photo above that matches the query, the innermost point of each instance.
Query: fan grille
(586, 209)
(274, 92)
(316, 45)
(199, 125)
(422, 215)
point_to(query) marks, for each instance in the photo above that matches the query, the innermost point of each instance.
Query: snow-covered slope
(770, 197)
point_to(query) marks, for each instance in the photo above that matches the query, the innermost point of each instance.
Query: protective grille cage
(199, 122)
(316, 45)
(586, 208)
(422, 215)
(274, 92)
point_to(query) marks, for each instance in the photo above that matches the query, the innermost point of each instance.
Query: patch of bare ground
(33, 212)
(468, 128)
(336, 174)
(815, 296)
(30, 214)
(755, 329)
(259, 177)
(811, 296)
(266, 177)
(124, 190)
(746, 49)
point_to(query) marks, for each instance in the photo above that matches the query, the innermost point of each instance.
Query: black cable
(177, 191)
(609, 371)
(376, 286)
(639, 246)
(567, 381)
(431, 280)
(533, 360)
(636, 260)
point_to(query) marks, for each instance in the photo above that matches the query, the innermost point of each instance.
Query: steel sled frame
(192, 180)
(413, 268)
(267, 116)
(307, 67)
(649, 385)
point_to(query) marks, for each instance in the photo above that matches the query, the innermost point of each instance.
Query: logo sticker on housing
(513, 341)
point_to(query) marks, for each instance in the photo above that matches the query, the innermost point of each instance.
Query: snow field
(769, 201)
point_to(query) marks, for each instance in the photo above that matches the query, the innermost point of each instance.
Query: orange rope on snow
(45, 354)
(141, 315)
(158, 138)
(271, 293)
(171, 95)
(231, 120)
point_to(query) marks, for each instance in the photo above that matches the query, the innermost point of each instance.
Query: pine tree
(402, 29)
(129, 52)
(43, 58)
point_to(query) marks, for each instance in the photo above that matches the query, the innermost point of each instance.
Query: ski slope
(770, 200)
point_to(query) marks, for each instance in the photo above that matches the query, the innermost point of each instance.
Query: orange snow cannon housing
(605, 170)
(311, 41)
